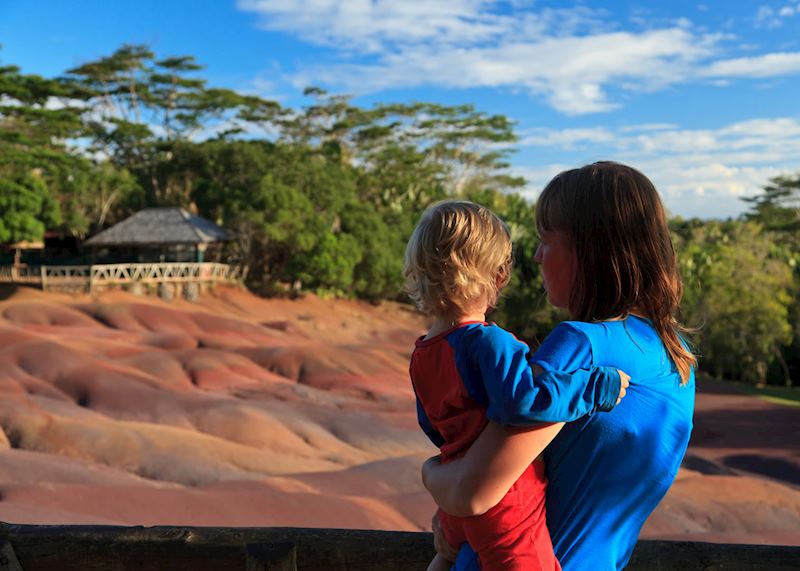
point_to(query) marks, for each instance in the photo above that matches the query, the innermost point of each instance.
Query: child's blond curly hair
(458, 256)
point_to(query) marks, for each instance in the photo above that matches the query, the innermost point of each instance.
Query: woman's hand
(439, 542)
(624, 382)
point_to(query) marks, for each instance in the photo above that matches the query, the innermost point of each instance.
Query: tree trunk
(784, 366)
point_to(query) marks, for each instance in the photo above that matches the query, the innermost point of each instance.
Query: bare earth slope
(740, 480)
(243, 411)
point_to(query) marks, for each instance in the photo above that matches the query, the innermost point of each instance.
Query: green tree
(378, 274)
(140, 107)
(280, 229)
(27, 209)
(778, 207)
(96, 196)
(408, 154)
(330, 265)
(778, 210)
(738, 296)
(38, 117)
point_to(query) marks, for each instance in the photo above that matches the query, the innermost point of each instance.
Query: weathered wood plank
(110, 548)
(689, 556)
(8, 559)
(271, 557)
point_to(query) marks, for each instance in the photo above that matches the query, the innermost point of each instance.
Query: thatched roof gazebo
(163, 247)
(155, 234)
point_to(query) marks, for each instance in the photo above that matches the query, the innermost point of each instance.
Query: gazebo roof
(160, 226)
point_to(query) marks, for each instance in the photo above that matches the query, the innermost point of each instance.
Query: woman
(607, 258)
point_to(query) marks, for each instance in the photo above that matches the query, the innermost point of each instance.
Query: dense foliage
(323, 198)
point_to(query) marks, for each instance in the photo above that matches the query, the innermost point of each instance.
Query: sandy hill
(238, 410)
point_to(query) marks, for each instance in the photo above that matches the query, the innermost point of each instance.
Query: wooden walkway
(101, 275)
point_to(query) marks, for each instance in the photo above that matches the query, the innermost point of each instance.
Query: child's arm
(556, 396)
(515, 395)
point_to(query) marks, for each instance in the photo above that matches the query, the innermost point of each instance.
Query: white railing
(71, 276)
(51, 277)
(20, 274)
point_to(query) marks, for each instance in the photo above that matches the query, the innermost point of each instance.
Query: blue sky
(704, 97)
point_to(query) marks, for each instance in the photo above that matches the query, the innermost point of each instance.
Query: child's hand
(443, 549)
(624, 379)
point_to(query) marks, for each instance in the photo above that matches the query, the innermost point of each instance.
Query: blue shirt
(478, 371)
(608, 471)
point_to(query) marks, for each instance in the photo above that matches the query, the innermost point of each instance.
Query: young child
(466, 372)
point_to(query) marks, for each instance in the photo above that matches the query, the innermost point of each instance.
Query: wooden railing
(90, 277)
(80, 548)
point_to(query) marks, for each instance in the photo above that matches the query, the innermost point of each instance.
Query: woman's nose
(537, 257)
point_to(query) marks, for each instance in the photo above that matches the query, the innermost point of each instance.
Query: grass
(788, 396)
(778, 395)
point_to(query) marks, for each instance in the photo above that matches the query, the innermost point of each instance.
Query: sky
(703, 97)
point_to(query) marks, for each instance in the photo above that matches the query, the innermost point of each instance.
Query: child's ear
(502, 278)
(500, 281)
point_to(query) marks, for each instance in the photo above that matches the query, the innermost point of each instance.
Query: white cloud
(712, 190)
(648, 127)
(576, 59)
(51, 104)
(265, 87)
(765, 18)
(571, 72)
(373, 24)
(771, 18)
(768, 65)
(378, 25)
(699, 172)
(568, 139)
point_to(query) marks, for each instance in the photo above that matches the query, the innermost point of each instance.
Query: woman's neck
(444, 323)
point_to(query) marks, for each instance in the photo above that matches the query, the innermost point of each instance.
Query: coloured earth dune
(243, 411)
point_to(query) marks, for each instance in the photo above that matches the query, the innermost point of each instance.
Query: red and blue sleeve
(498, 373)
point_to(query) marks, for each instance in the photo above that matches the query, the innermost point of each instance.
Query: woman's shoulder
(631, 329)
(593, 342)
(581, 332)
(566, 348)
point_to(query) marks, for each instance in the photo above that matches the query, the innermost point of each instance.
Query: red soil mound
(129, 411)
(243, 411)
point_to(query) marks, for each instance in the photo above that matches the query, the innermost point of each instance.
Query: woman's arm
(476, 482)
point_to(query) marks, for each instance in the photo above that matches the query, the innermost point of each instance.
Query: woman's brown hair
(626, 262)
